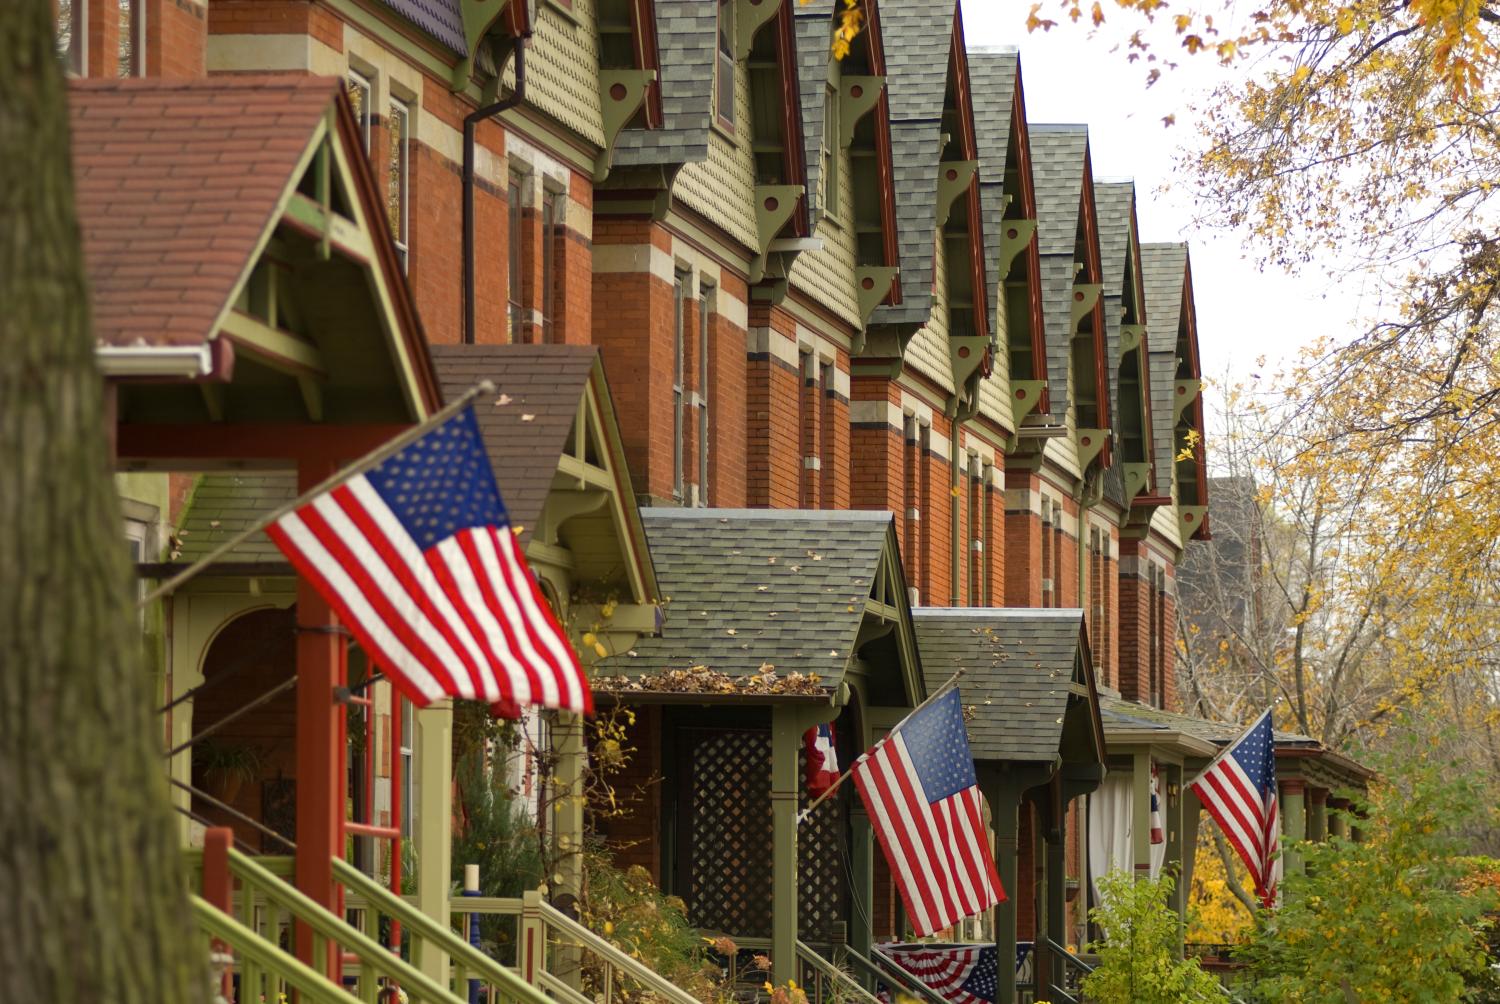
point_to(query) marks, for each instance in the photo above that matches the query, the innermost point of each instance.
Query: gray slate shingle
(1059, 156)
(442, 19)
(992, 77)
(1114, 201)
(817, 569)
(1163, 275)
(1128, 714)
(812, 25)
(1020, 660)
(687, 41)
(223, 504)
(916, 35)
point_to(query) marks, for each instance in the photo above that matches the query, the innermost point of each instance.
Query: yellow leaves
(1033, 21)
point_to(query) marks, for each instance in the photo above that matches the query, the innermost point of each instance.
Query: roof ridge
(826, 515)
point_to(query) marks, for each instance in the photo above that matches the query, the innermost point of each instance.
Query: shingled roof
(442, 19)
(176, 181)
(1163, 274)
(993, 76)
(1114, 201)
(917, 35)
(1019, 663)
(687, 40)
(747, 587)
(1059, 154)
(542, 385)
(224, 504)
(812, 27)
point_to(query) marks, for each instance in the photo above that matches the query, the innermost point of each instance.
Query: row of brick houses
(745, 298)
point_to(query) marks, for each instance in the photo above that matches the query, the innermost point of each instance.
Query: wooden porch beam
(344, 235)
(277, 348)
(250, 441)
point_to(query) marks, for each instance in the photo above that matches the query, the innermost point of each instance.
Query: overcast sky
(1243, 312)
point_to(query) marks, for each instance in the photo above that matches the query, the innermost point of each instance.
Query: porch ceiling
(1028, 688)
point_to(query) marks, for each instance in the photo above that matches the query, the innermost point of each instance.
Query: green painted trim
(858, 96)
(954, 178)
(265, 955)
(1090, 443)
(1136, 476)
(1085, 298)
(1190, 518)
(750, 17)
(1131, 338)
(479, 17)
(1184, 393)
(966, 355)
(1025, 397)
(774, 205)
(278, 349)
(1017, 237)
(872, 284)
(621, 93)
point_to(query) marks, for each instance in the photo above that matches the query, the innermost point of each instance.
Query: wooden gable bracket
(954, 178)
(873, 284)
(1191, 519)
(1090, 442)
(1131, 338)
(1017, 236)
(1136, 476)
(858, 96)
(1085, 297)
(1184, 393)
(479, 17)
(774, 205)
(966, 353)
(750, 17)
(1025, 395)
(621, 93)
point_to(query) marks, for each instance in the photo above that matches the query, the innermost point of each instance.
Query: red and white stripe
(465, 618)
(1251, 826)
(938, 852)
(944, 971)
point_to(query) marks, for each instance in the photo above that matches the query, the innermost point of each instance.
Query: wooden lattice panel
(729, 831)
(822, 850)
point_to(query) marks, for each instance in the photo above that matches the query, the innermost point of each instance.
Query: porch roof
(748, 587)
(1024, 669)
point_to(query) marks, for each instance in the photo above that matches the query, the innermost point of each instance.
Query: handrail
(891, 970)
(641, 973)
(311, 985)
(1075, 960)
(835, 974)
(440, 936)
(372, 955)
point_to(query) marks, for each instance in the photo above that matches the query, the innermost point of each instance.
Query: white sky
(1243, 312)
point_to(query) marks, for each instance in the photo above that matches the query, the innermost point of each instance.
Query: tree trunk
(91, 881)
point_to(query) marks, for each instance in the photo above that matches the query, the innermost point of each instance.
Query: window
(361, 98)
(546, 302)
(812, 440)
(72, 35)
(828, 432)
(828, 154)
(679, 390)
(924, 489)
(986, 517)
(1057, 562)
(513, 221)
(398, 177)
(702, 400)
(724, 67)
(132, 43)
(912, 535)
(975, 497)
(1048, 585)
(137, 533)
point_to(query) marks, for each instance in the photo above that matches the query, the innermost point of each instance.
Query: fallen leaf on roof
(528, 417)
(502, 400)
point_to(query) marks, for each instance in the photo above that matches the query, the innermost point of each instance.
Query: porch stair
(249, 905)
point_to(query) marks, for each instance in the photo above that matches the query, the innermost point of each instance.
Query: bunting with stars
(418, 558)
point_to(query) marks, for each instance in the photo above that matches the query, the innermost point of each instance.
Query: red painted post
(218, 890)
(320, 756)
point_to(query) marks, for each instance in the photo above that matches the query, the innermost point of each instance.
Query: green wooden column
(1317, 814)
(1192, 815)
(434, 751)
(1004, 789)
(788, 723)
(1293, 823)
(1338, 823)
(862, 852)
(1140, 815)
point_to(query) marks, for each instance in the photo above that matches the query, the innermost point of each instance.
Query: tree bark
(91, 879)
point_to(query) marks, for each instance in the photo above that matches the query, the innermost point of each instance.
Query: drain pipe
(471, 123)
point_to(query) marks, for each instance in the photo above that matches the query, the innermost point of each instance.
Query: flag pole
(359, 466)
(802, 816)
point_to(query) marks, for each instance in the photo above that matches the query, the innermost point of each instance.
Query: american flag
(418, 558)
(963, 974)
(822, 759)
(919, 787)
(1239, 790)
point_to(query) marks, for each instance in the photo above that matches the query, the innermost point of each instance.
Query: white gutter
(154, 362)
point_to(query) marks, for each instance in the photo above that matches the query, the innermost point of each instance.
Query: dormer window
(724, 66)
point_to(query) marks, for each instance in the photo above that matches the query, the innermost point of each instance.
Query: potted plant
(227, 767)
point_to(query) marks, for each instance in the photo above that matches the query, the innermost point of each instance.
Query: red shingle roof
(176, 180)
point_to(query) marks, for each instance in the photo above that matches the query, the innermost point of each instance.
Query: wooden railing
(282, 970)
(825, 982)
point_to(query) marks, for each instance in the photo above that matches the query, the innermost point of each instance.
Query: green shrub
(1138, 961)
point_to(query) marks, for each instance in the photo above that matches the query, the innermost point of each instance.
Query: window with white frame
(398, 176)
(679, 386)
(72, 35)
(131, 55)
(362, 98)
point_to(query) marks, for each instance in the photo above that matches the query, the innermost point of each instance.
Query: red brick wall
(875, 454)
(1134, 658)
(1169, 643)
(837, 469)
(1022, 563)
(774, 409)
(728, 375)
(260, 17)
(937, 517)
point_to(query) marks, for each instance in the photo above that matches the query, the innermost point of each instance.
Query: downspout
(471, 123)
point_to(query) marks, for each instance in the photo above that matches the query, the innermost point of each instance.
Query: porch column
(786, 740)
(1140, 815)
(862, 852)
(1293, 823)
(1053, 922)
(1005, 810)
(1191, 816)
(433, 746)
(320, 754)
(1317, 814)
(1338, 823)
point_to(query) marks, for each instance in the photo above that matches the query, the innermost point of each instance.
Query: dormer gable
(1177, 382)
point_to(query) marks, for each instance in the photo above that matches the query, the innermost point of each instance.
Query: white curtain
(1111, 822)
